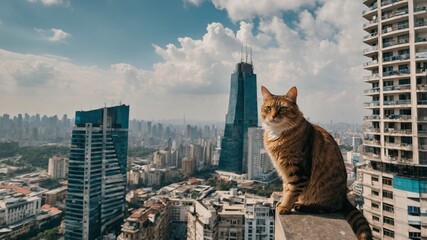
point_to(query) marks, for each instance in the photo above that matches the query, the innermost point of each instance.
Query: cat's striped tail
(357, 221)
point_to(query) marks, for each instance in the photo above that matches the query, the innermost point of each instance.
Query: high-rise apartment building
(97, 172)
(242, 114)
(58, 167)
(395, 136)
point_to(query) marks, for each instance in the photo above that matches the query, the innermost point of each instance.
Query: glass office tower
(97, 172)
(242, 114)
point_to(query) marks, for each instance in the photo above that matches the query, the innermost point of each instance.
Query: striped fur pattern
(308, 160)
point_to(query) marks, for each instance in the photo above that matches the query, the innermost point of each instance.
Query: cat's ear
(292, 94)
(265, 93)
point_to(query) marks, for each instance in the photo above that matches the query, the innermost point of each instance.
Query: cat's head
(280, 111)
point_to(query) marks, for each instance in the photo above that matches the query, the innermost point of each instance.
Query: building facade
(260, 167)
(242, 114)
(395, 136)
(58, 167)
(97, 172)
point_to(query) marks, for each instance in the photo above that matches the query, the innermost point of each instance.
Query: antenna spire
(241, 53)
(251, 55)
(246, 54)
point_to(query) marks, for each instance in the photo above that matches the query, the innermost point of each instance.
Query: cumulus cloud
(54, 34)
(193, 2)
(193, 76)
(50, 2)
(248, 9)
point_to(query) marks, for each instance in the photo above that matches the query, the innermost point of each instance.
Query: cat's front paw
(282, 209)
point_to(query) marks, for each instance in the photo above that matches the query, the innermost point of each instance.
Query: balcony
(420, 9)
(370, 23)
(370, 50)
(371, 130)
(371, 104)
(422, 102)
(370, 9)
(402, 146)
(421, 55)
(395, 30)
(371, 91)
(374, 143)
(422, 87)
(396, 58)
(372, 77)
(395, 42)
(397, 103)
(369, 36)
(390, 3)
(392, 131)
(422, 133)
(395, 118)
(372, 156)
(372, 117)
(396, 73)
(420, 39)
(422, 147)
(394, 16)
(371, 64)
(403, 87)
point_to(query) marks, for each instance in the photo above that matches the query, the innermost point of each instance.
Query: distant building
(202, 222)
(149, 222)
(231, 223)
(259, 220)
(58, 167)
(259, 163)
(242, 114)
(97, 172)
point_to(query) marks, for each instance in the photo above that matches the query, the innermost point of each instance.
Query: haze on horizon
(61, 56)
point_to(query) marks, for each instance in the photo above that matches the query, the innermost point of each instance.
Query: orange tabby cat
(309, 161)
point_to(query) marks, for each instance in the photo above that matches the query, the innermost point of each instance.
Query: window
(387, 194)
(414, 211)
(374, 205)
(388, 220)
(388, 232)
(375, 193)
(375, 229)
(388, 208)
(414, 235)
(374, 179)
(375, 218)
(387, 181)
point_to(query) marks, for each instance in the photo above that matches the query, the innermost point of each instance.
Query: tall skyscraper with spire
(97, 172)
(242, 114)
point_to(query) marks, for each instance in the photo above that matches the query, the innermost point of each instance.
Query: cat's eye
(283, 109)
(268, 108)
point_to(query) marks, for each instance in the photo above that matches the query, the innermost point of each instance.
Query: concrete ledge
(312, 226)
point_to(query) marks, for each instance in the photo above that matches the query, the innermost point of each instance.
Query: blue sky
(174, 57)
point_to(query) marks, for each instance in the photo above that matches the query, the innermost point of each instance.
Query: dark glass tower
(97, 172)
(242, 114)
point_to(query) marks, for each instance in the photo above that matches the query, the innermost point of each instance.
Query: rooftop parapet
(298, 225)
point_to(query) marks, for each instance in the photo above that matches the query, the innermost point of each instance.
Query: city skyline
(166, 64)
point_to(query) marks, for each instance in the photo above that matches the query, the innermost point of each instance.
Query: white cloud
(54, 34)
(193, 2)
(51, 2)
(194, 75)
(248, 9)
